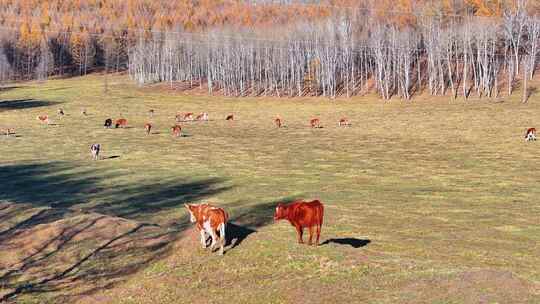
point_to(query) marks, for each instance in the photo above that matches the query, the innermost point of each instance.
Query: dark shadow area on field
(20, 104)
(110, 157)
(62, 232)
(2, 89)
(246, 220)
(353, 242)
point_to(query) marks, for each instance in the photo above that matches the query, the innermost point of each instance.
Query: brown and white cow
(315, 123)
(209, 220)
(302, 215)
(176, 130)
(530, 134)
(178, 118)
(148, 127)
(344, 122)
(188, 116)
(202, 117)
(122, 123)
(278, 122)
(44, 119)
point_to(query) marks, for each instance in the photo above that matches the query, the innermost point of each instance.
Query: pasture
(430, 201)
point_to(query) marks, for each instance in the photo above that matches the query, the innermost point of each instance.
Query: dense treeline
(279, 48)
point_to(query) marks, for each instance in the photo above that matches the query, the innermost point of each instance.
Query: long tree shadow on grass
(65, 233)
(20, 104)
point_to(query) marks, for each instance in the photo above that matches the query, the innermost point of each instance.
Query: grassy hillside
(433, 201)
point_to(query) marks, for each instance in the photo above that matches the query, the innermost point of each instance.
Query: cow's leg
(222, 238)
(300, 232)
(318, 235)
(310, 235)
(214, 239)
(203, 238)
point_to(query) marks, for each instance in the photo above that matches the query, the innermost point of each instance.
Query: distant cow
(344, 122)
(148, 127)
(230, 117)
(122, 123)
(530, 134)
(278, 121)
(302, 215)
(210, 220)
(83, 112)
(108, 123)
(44, 119)
(176, 130)
(61, 112)
(315, 123)
(7, 131)
(151, 112)
(202, 117)
(94, 149)
(188, 116)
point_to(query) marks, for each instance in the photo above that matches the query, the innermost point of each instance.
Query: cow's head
(191, 208)
(281, 212)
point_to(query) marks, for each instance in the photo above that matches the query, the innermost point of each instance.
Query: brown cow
(176, 130)
(315, 123)
(202, 117)
(210, 220)
(530, 134)
(122, 122)
(302, 215)
(344, 122)
(44, 119)
(148, 127)
(230, 117)
(278, 122)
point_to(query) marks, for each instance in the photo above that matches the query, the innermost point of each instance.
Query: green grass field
(440, 198)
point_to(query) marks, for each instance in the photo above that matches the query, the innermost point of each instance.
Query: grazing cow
(148, 127)
(178, 118)
(188, 116)
(61, 112)
(202, 117)
(122, 122)
(302, 215)
(7, 131)
(176, 130)
(94, 149)
(230, 117)
(108, 123)
(530, 134)
(315, 123)
(44, 119)
(210, 220)
(277, 121)
(151, 113)
(344, 122)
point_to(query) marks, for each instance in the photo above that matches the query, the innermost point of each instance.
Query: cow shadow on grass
(353, 242)
(65, 232)
(21, 104)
